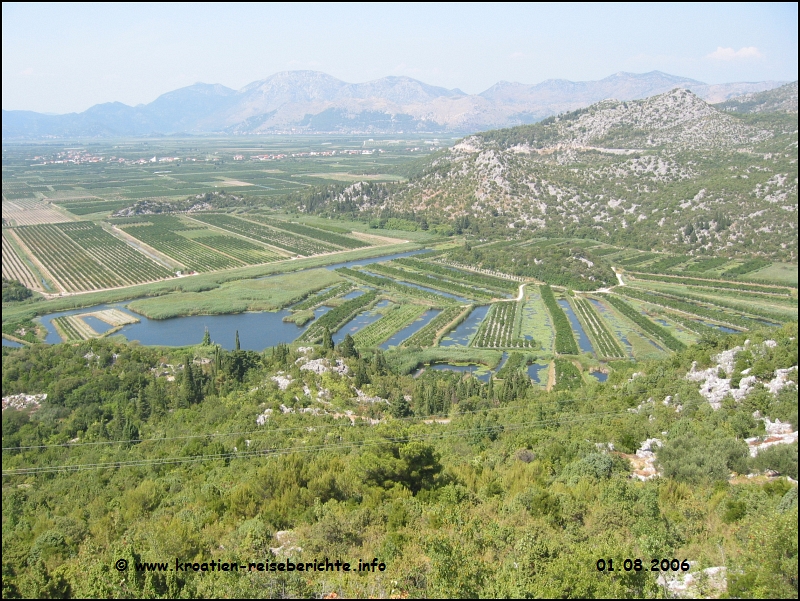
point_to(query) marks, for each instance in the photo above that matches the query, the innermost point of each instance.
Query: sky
(60, 58)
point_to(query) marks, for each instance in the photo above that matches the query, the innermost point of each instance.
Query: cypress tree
(236, 343)
(327, 340)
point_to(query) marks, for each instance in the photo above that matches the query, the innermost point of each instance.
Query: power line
(306, 449)
(421, 419)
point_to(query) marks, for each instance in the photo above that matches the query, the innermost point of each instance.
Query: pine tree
(206, 338)
(142, 406)
(379, 364)
(327, 340)
(348, 347)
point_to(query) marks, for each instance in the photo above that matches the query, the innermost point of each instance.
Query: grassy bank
(267, 294)
(197, 283)
(407, 360)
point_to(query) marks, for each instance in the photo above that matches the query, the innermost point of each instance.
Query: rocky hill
(667, 172)
(779, 100)
(314, 102)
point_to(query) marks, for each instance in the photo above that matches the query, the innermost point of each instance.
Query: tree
(206, 338)
(379, 364)
(236, 342)
(348, 347)
(327, 339)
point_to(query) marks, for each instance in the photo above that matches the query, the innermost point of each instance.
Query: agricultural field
(429, 334)
(14, 268)
(463, 277)
(102, 177)
(388, 283)
(658, 332)
(288, 241)
(564, 340)
(337, 317)
(432, 281)
(313, 233)
(500, 328)
(398, 317)
(82, 256)
(320, 298)
(28, 211)
(603, 341)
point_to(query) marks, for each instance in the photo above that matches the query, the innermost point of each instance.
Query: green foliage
(570, 265)
(13, 291)
(338, 316)
(697, 459)
(565, 341)
(568, 377)
(648, 326)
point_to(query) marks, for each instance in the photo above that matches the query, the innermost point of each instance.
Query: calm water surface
(538, 372)
(461, 335)
(411, 329)
(360, 321)
(583, 340)
(257, 331)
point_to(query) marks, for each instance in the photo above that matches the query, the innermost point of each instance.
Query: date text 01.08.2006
(637, 565)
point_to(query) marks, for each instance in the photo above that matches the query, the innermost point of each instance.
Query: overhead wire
(302, 449)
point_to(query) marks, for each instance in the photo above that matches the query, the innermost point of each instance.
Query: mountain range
(669, 172)
(314, 102)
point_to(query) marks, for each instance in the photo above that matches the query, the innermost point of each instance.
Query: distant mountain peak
(313, 101)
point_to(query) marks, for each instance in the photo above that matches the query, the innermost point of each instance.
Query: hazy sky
(66, 57)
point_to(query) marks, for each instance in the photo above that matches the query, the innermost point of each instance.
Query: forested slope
(197, 454)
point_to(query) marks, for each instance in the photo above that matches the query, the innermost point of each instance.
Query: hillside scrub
(453, 468)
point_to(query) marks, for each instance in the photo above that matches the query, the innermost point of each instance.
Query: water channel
(583, 340)
(410, 329)
(362, 320)
(257, 331)
(462, 334)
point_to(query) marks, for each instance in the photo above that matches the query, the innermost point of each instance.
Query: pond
(11, 343)
(583, 339)
(538, 372)
(721, 328)
(257, 331)
(410, 329)
(599, 375)
(462, 334)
